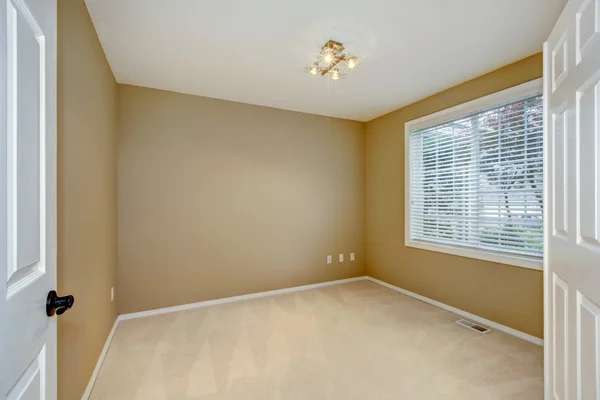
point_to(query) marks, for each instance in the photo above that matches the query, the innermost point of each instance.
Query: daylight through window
(477, 181)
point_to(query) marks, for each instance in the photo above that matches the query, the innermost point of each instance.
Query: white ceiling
(255, 51)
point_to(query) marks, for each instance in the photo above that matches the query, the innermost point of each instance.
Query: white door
(572, 275)
(27, 198)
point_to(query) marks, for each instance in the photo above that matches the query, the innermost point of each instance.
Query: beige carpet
(351, 341)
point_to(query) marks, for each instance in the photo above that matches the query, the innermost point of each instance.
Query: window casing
(475, 178)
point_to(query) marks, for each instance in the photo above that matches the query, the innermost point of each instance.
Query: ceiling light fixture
(333, 61)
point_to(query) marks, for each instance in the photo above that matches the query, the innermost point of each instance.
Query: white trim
(258, 295)
(483, 321)
(516, 92)
(502, 258)
(547, 176)
(90, 386)
(504, 96)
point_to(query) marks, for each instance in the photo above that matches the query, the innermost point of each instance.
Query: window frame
(496, 99)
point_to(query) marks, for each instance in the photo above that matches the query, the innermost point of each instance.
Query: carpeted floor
(350, 341)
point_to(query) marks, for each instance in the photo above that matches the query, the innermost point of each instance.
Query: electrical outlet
(329, 260)
(351, 256)
(341, 258)
(112, 293)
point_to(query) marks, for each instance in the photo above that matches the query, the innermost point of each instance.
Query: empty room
(206, 199)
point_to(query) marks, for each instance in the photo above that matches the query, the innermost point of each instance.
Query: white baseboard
(88, 389)
(235, 298)
(483, 321)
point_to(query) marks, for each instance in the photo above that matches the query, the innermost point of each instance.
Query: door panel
(560, 342)
(588, 214)
(24, 136)
(572, 90)
(559, 174)
(27, 198)
(560, 67)
(587, 27)
(588, 341)
(30, 384)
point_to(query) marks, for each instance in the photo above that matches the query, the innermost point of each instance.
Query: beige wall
(219, 199)
(87, 196)
(509, 295)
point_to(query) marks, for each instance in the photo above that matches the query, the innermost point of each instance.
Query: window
(475, 176)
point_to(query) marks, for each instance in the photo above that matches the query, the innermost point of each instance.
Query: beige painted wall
(509, 295)
(218, 198)
(87, 196)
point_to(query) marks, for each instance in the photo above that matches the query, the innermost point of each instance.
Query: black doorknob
(58, 305)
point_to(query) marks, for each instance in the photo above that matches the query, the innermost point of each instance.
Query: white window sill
(502, 258)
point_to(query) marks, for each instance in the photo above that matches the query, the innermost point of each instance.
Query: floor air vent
(475, 327)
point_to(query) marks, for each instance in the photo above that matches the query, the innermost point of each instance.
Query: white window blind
(477, 181)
